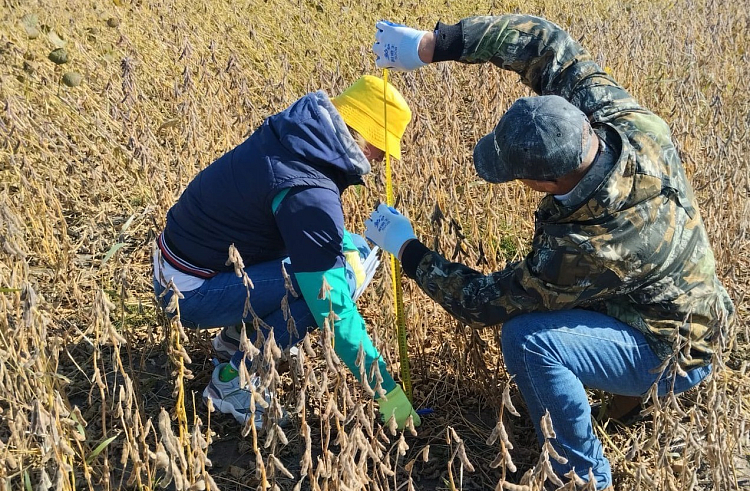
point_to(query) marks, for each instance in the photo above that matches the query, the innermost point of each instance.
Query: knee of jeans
(526, 339)
(682, 384)
(514, 337)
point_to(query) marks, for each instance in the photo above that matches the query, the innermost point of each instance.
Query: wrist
(412, 256)
(449, 42)
(412, 55)
(426, 48)
(403, 247)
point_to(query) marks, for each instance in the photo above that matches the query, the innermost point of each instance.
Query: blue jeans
(553, 355)
(220, 301)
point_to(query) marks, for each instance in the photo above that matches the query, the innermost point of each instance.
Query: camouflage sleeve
(558, 274)
(546, 57)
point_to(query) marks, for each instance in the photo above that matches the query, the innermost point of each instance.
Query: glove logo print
(390, 53)
(381, 223)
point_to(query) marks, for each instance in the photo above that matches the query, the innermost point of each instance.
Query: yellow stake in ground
(398, 294)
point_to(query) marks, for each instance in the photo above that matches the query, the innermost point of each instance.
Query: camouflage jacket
(634, 247)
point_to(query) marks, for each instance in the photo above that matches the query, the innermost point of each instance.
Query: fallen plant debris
(100, 391)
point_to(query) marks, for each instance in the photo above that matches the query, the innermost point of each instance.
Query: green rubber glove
(398, 406)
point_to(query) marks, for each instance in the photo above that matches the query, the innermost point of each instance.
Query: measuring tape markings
(403, 352)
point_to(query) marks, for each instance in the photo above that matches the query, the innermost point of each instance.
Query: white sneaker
(227, 342)
(230, 398)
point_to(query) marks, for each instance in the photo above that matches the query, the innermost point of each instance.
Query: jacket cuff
(449, 42)
(412, 255)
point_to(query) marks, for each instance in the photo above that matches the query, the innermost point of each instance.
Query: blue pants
(220, 301)
(553, 355)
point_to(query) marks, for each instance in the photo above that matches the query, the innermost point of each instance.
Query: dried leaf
(30, 24)
(56, 40)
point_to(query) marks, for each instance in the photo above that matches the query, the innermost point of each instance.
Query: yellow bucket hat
(361, 106)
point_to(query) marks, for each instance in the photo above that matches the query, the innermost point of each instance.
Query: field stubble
(100, 392)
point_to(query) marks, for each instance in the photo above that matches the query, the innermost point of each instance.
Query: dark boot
(625, 410)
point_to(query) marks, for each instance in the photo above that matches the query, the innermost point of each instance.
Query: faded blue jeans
(553, 355)
(220, 301)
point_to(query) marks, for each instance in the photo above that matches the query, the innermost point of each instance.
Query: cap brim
(371, 131)
(394, 146)
(488, 163)
(377, 139)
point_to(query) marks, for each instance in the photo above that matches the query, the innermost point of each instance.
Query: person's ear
(367, 150)
(372, 152)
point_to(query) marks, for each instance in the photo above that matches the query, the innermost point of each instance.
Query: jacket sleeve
(311, 222)
(553, 276)
(546, 57)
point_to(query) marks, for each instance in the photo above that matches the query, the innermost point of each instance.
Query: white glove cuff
(410, 49)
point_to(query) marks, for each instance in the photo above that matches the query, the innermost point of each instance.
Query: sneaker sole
(228, 408)
(224, 407)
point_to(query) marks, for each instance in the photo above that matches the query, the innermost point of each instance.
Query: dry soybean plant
(108, 109)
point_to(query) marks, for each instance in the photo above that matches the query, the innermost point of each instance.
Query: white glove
(370, 266)
(397, 46)
(388, 228)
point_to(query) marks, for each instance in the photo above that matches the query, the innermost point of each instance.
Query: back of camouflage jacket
(635, 248)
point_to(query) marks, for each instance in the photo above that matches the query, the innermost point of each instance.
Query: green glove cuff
(398, 405)
(347, 242)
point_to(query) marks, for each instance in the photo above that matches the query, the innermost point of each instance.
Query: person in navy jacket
(277, 198)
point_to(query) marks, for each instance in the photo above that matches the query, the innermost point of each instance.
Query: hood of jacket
(312, 129)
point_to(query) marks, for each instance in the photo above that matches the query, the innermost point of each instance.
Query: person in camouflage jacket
(619, 290)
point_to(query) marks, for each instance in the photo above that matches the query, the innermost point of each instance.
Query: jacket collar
(586, 199)
(331, 116)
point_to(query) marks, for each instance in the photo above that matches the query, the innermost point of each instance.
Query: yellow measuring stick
(398, 294)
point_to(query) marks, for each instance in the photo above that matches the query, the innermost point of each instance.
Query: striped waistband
(180, 264)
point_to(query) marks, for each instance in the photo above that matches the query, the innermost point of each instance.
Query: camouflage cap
(538, 138)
